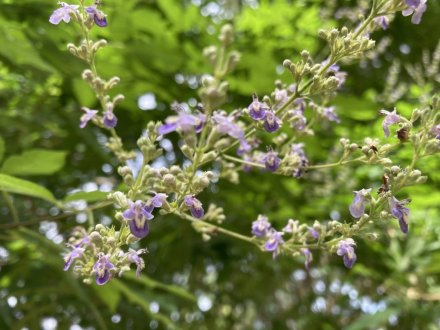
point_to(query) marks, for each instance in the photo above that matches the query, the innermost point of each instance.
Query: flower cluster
(208, 134)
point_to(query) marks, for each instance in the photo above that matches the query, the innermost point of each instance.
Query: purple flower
(101, 268)
(313, 232)
(110, 119)
(97, 15)
(75, 253)
(436, 131)
(271, 161)
(309, 257)
(273, 241)
(291, 227)
(257, 109)
(261, 226)
(63, 13)
(195, 206)
(399, 211)
(272, 122)
(297, 150)
(346, 251)
(329, 113)
(390, 119)
(137, 215)
(357, 208)
(133, 256)
(334, 70)
(416, 8)
(87, 116)
(225, 125)
(382, 21)
(183, 121)
(244, 147)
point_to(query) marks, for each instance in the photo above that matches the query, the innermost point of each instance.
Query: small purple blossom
(133, 256)
(309, 257)
(272, 122)
(329, 114)
(257, 109)
(261, 226)
(183, 122)
(399, 211)
(297, 150)
(75, 253)
(137, 215)
(313, 232)
(101, 268)
(195, 206)
(382, 21)
(335, 71)
(416, 8)
(110, 119)
(274, 239)
(226, 125)
(98, 16)
(436, 131)
(291, 227)
(87, 116)
(63, 13)
(357, 208)
(271, 161)
(390, 119)
(346, 251)
(244, 148)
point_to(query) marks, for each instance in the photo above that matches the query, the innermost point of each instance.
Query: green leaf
(23, 187)
(91, 196)
(109, 294)
(2, 148)
(35, 162)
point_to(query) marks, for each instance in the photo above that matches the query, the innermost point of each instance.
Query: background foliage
(156, 49)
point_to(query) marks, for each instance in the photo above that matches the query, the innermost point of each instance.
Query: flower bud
(120, 199)
(287, 63)
(395, 169)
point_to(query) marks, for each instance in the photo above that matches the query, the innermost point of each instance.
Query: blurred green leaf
(2, 148)
(23, 187)
(35, 162)
(89, 196)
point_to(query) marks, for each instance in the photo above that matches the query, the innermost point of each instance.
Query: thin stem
(11, 207)
(242, 161)
(56, 218)
(215, 228)
(315, 167)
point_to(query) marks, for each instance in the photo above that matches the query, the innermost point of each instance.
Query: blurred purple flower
(271, 161)
(399, 211)
(257, 109)
(272, 122)
(110, 119)
(382, 21)
(226, 125)
(101, 268)
(390, 119)
(436, 131)
(309, 257)
(329, 113)
(133, 256)
(75, 253)
(261, 226)
(313, 232)
(346, 251)
(274, 239)
(184, 122)
(195, 206)
(63, 13)
(98, 16)
(416, 8)
(357, 208)
(87, 116)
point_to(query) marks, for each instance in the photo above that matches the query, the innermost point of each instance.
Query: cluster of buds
(99, 253)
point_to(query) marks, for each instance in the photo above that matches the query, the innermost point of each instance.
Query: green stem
(11, 207)
(242, 161)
